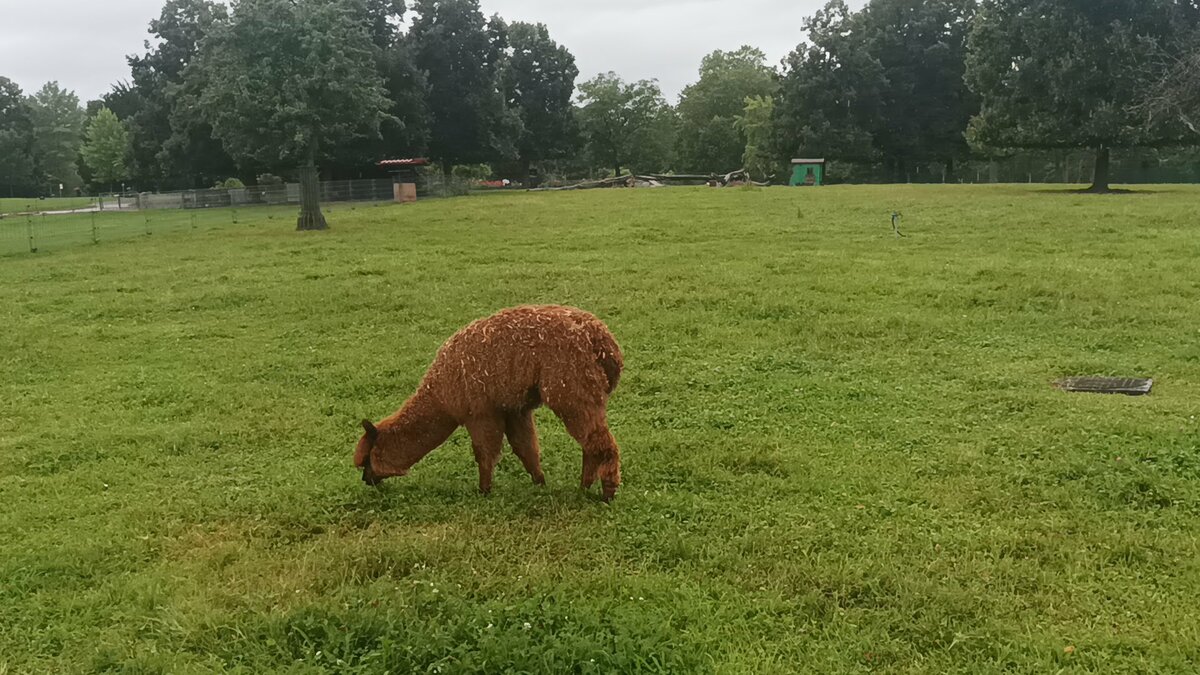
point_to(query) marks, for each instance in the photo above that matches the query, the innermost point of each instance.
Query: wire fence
(362, 190)
(1132, 167)
(120, 217)
(32, 233)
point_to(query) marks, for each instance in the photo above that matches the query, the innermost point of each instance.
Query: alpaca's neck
(416, 430)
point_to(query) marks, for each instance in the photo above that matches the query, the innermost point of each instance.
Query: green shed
(808, 172)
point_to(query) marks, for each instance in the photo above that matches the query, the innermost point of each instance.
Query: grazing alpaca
(490, 377)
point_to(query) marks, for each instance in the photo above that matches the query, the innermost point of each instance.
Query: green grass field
(33, 205)
(842, 450)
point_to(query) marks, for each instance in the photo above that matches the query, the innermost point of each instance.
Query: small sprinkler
(896, 216)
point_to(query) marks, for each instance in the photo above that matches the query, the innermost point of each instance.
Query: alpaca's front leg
(487, 439)
(601, 457)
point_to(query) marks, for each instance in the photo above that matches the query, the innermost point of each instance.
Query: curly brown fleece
(490, 377)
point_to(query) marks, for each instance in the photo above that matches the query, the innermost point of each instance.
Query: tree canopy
(1070, 75)
(291, 82)
(1174, 94)
(539, 82)
(172, 144)
(462, 54)
(626, 125)
(881, 84)
(57, 120)
(106, 147)
(17, 170)
(709, 140)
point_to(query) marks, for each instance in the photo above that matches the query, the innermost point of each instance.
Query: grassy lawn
(842, 452)
(34, 205)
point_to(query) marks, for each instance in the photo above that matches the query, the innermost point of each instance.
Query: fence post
(193, 214)
(29, 231)
(146, 215)
(95, 239)
(235, 216)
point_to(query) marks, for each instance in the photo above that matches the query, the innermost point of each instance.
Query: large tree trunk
(1100, 178)
(311, 217)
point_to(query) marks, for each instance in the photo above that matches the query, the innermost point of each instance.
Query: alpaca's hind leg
(522, 436)
(487, 439)
(601, 457)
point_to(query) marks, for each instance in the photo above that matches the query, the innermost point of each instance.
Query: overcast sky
(83, 43)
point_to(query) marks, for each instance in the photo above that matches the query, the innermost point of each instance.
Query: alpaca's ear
(362, 453)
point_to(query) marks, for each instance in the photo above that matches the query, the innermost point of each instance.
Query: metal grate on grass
(1128, 386)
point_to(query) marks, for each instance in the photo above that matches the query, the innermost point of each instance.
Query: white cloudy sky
(83, 43)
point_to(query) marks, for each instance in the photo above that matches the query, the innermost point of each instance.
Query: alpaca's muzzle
(368, 475)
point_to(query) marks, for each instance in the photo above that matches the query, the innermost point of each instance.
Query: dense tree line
(297, 87)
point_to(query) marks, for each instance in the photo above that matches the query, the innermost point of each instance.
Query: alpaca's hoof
(539, 480)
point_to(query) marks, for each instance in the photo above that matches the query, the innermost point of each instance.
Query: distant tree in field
(831, 91)
(172, 143)
(882, 84)
(539, 84)
(708, 139)
(922, 48)
(626, 125)
(755, 125)
(292, 82)
(406, 132)
(58, 121)
(1055, 74)
(461, 55)
(106, 147)
(16, 142)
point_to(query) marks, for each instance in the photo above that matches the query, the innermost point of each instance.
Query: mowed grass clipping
(842, 451)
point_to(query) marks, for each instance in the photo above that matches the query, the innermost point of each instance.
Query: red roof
(417, 161)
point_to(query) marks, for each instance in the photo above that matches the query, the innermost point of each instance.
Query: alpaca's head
(380, 456)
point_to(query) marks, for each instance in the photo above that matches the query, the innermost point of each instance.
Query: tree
(106, 147)
(16, 141)
(539, 78)
(172, 144)
(1055, 74)
(708, 139)
(626, 125)
(405, 133)
(831, 91)
(57, 122)
(291, 82)
(461, 55)
(922, 49)
(755, 126)
(884, 84)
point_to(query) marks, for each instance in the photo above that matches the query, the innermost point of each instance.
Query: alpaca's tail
(608, 355)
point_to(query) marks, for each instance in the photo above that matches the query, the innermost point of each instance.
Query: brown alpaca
(490, 377)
